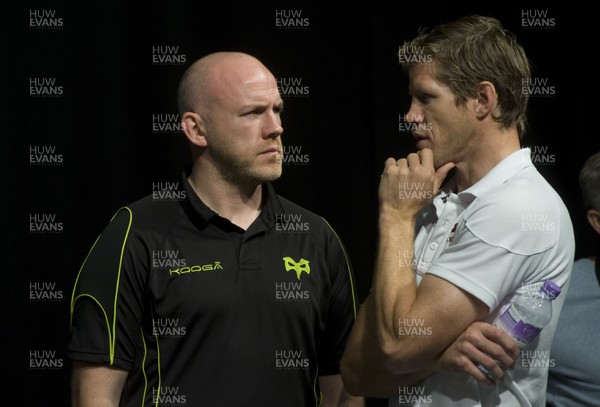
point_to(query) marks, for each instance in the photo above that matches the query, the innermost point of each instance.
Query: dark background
(102, 126)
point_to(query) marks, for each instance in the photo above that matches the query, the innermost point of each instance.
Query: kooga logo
(197, 268)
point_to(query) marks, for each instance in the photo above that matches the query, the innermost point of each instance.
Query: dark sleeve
(106, 305)
(342, 307)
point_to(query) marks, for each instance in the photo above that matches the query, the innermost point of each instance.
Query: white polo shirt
(500, 238)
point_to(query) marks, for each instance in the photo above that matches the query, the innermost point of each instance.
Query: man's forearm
(394, 284)
(362, 365)
(397, 302)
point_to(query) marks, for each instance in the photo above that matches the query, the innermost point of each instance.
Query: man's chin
(423, 143)
(269, 176)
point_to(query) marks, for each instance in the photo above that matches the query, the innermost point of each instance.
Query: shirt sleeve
(488, 273)
(106, 310)
(342, 308)
(502, 246)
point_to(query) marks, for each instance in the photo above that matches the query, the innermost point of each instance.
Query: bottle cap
(551, 289)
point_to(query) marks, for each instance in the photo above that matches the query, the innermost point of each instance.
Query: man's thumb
(440, 175)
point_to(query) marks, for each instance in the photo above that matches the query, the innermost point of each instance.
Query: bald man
(216, 291)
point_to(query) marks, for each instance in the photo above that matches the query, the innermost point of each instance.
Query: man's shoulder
(525, 192)
(524, 215)
(293, 211)
(290, 206)
(148, 211)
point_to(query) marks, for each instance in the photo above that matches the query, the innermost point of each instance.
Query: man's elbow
(400, 356)
(351, 378)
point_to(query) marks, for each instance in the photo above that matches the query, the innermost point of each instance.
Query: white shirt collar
(500, 173)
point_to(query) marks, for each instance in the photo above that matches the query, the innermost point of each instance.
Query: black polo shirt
(203, 313)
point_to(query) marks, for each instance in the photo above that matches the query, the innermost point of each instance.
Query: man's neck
(484, 156)
(240, 205)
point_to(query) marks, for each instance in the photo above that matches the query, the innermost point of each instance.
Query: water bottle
(526, 316)
(524, 319)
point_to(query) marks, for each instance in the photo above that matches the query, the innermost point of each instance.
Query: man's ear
(193, 128)
(486, 99)
(593, 217)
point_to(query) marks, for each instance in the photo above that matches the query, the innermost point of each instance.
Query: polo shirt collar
(201, 214)
(500, 173)
(271, 206)
(198, 212)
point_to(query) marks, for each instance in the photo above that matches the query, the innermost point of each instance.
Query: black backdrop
(88, 121)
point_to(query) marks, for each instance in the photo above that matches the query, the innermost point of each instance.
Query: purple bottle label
(518, 329)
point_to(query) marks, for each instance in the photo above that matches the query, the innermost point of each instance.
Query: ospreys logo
(298, 267)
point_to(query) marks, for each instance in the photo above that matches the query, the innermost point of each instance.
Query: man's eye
(424, 98)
